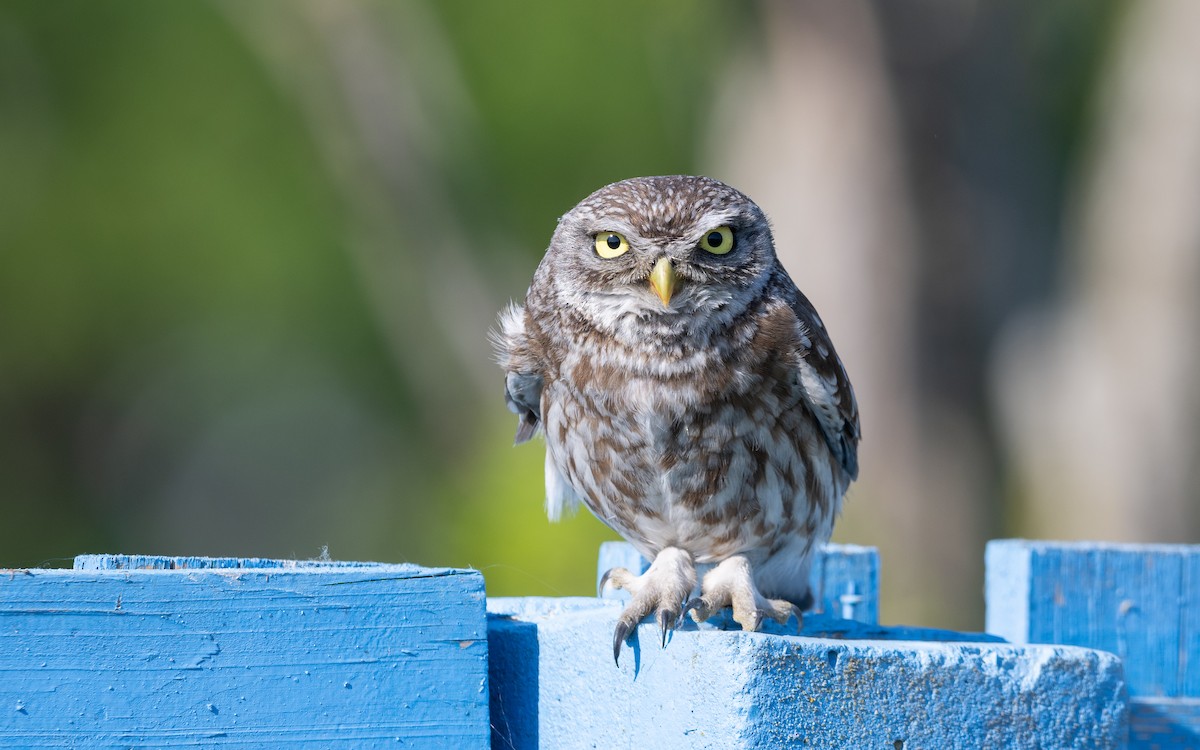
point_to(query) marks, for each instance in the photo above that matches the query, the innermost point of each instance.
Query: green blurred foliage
(188, 361)
(227, 326)
(572, 96)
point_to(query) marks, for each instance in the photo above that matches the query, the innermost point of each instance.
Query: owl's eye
(610, 245)
(718, 241)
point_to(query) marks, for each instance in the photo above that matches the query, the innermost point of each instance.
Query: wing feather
(826, 386)
(523, 381)
(524, 364)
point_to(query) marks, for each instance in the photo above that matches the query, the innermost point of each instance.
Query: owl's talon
(666, 623)
(692, 604)
(731, 584)
(660, 590)
(619, 636)
(700, 609)
(620, 578)
(603, 582)
(755, 621)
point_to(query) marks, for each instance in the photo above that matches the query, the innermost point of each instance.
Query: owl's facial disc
(664, 280)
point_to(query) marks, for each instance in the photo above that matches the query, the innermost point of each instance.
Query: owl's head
(661, 250)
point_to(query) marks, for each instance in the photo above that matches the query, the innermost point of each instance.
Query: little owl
(689, 396)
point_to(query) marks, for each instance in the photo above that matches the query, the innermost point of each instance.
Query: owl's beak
(664, 280)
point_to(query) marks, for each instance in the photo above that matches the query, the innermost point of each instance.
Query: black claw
(799, 619)
(664, 625)
(691, 605)
(755, 622)
(603, 580)
(679, 621)
(619, 637)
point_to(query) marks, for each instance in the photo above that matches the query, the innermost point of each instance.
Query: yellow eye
(718, 241)
(610, 245)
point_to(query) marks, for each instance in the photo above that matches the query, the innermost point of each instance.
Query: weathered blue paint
(247, 653)
(844, 578)
(717, 689)
(1141, 602)
(1164, 723)
(146, 651)
(160, 562)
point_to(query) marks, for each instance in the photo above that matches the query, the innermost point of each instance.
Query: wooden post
(1139, 601)
(846, 684)
(196, 652)
(150, 651)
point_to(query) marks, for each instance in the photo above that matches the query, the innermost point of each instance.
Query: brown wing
(826, 386)
(523, 380)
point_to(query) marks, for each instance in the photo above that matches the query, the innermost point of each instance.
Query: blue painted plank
(291, 655)
(1189, 630)
(1164, 723)
(161, 562)
(844, 578)
(845, 582)
(1138, 601)
(715, 689)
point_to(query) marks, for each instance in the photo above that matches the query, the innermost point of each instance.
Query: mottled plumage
(709, 421)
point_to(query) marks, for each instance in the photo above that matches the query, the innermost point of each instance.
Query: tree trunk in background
(806, 126)
(1098, 395)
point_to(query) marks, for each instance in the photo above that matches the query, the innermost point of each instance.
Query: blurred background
(250, 252)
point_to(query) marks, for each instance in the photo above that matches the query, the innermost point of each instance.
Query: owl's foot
(662, 589)
(731, 584)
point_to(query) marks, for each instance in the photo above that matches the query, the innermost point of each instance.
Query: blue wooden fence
(1103, 650)
(191, 652)
(1140, 602)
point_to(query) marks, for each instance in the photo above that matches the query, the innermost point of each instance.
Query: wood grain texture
(1141, 602)
(1164, 724)
(268, 654)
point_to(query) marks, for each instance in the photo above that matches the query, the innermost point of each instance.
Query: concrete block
(553, 684)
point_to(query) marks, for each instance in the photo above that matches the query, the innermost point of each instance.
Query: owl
(689, 395)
